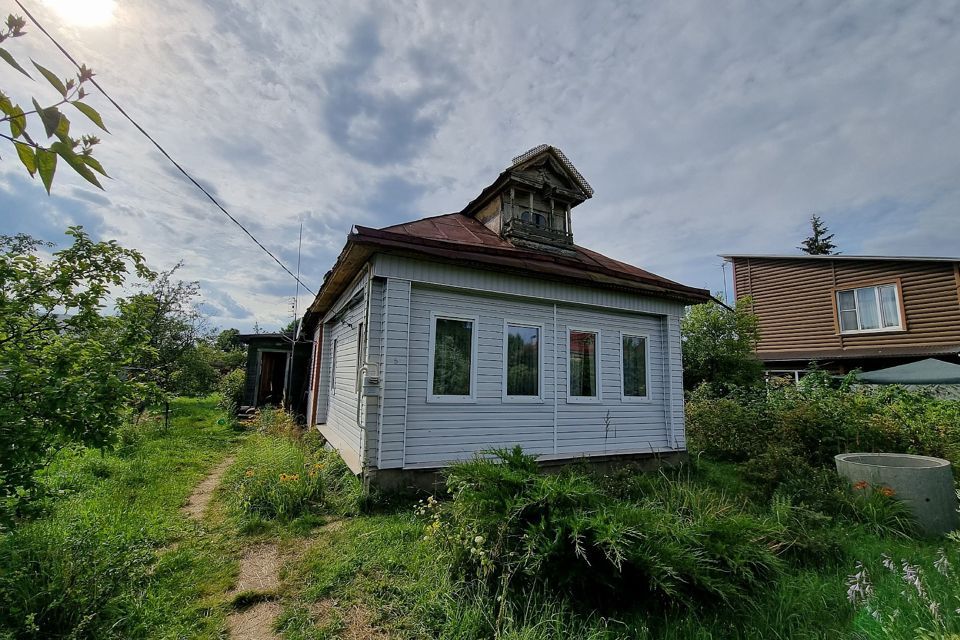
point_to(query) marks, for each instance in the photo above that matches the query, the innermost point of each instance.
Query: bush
(513, 527)
(732, 429)
(231, 390)
(808, 424)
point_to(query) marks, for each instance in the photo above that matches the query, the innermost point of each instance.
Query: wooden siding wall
(415, 433)
(794, 302)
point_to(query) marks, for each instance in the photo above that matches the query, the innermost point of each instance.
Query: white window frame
(856, 307)
(646, 361)
(333, 367)
(358, 384)
(474, 356)
(530, 325)
(597, 399)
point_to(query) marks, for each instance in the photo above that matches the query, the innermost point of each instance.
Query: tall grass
(93, 563)
(283, 472)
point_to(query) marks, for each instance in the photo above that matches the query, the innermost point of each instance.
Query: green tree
(165, 312)
(819, 243)
(228, 340)
(718, 345)
(35, 151)
(64, 365)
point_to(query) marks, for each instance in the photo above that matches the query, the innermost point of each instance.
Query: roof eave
(760, 256)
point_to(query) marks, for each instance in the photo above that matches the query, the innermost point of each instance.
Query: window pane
(867, 307)
(523, 361)
(583, 364)
(451, 357)
(848, 321)
(634, 366)
(890, 310)
(846, 301)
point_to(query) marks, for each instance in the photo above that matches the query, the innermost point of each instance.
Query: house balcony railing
(521, 229)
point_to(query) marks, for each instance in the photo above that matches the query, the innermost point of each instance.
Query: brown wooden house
(848, 312)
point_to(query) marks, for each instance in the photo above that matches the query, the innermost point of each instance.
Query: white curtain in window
(890, 310)
(867, 308)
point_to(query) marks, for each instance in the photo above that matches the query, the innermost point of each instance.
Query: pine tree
(818, 244)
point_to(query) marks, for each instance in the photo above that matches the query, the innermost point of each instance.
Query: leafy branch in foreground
(37, 155)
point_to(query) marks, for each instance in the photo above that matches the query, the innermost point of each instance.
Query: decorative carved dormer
(530, 202)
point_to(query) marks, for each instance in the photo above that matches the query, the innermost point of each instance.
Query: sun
(84, 13)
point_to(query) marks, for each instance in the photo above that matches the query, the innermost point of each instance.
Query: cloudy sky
(704, 128)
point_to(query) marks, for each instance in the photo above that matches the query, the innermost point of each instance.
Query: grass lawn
(112, 556)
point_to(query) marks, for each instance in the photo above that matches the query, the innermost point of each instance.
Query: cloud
(385, 125)
(703, 130)
(26, 208)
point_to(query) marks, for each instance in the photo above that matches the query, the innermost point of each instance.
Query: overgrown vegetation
(108, 554)
(282, 473)
(662, 541)
(63, 376)
(718, 346)
(71, 373)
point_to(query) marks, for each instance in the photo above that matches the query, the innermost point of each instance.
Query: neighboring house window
(633, 367)
(869, 309)
(521, 357)
(359, 381)
(333, 368)
(583, 362)
(452, 366)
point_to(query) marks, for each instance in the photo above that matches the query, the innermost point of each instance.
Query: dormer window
(530, 202)
(538, 220)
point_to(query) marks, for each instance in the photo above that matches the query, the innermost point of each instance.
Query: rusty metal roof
(471, 240)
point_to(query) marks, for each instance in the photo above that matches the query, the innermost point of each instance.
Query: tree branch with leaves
(38, 154)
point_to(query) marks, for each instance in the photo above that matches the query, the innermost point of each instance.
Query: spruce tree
(818, 244)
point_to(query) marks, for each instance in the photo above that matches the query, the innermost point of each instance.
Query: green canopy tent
(929, 371)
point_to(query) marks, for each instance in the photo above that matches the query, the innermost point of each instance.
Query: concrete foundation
(924, 484)
(432, 481)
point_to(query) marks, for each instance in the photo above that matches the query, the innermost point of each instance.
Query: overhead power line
(162, 150)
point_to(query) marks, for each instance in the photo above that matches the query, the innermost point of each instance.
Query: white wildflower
(888, 562)
(911, 575)
(941, 564)
(859, 588)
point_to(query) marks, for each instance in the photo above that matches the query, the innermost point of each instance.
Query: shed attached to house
(275, 371)
(447, 336)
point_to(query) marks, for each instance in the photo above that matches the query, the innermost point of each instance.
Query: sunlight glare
(84, 13)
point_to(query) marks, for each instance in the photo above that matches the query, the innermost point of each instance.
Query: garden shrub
(513, 527)
(231, 390)
(732, 429)
(786, 434)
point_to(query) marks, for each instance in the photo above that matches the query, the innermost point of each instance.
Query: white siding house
(449, 336)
